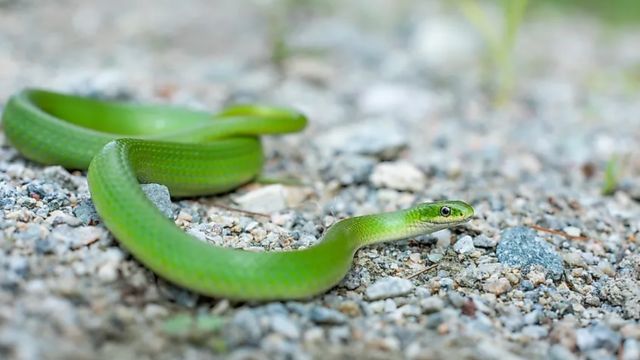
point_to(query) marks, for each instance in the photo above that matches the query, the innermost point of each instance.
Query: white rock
(388, 287)
(398, 175)
(483, 241)
(574, 259)
(464, 245)
(283, 325)
(443, 238)
(572, 231)
(111, 258)
(78, 237)
(108, 272)
(159, 195)
(266, 199)
(536, 277)
(631, 349)
(497, 285)
(390, 98)
(444, 44)
(380, 138)
(431, 304)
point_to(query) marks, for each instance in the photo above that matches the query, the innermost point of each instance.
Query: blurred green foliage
(611, 176)
(500, 39)
(619, 12)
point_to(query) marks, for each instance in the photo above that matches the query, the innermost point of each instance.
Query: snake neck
(372, 229)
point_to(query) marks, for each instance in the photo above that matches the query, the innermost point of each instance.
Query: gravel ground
(400, 113)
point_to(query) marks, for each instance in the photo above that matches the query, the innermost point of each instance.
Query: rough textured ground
(399, 114)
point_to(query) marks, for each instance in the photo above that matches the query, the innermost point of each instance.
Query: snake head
(446, 213)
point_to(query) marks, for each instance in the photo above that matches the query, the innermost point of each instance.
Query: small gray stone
(631, 349)
(58, 217)
(464, 245)
(559, 352)
(596, 337)
(18, 266)
(431, 304)
(285, 326)
(245, 328)
(435, 256)
(160, 197)
(44, 246)
(455, 298)
(390, 306)
(574, 259)
(339, 334)
(398, 175)
(322, 315)
(78, 237)
(61, 176)
(520, 247)
(86, 212)
(350, 169)
(572, 231)
(483, 241)
(383, 139)
(180, 295)
(410, 310)
(267, 199)
(388, 287)
(497, 285)
(535, 331)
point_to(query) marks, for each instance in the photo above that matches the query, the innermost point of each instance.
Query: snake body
(196, 153)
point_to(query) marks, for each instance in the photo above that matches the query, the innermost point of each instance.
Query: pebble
(388, 287)
(596, 337)
(464, 245)
(395, 100)
(111, 258)
(58, 217)
(79, 236)
(534, 331)
(322, 315)
(496, 285)
(536, 277)
(86, 212)
(482, 241)
(267, 199)
(559, 352)
(574, 259)
(283, 325)
(431, 304)
(572, 231)
(631, 349)
(444, 44)
(378, 138)
(350, 169)
(443, 238)
(520, 247)
(160, 197)
(398, 175)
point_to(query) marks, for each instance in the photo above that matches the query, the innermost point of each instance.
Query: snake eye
(445, 211)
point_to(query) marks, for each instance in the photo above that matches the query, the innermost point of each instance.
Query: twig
(558, 232)
(423, 271)
(252, 213)
(87, 244)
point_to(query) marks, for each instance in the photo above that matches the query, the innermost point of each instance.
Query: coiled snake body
(196, 153)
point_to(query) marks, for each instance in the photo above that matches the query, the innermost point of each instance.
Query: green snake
(196, 153)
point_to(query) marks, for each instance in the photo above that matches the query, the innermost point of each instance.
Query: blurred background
(499, 46)
(529, 110)
(573, 63)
